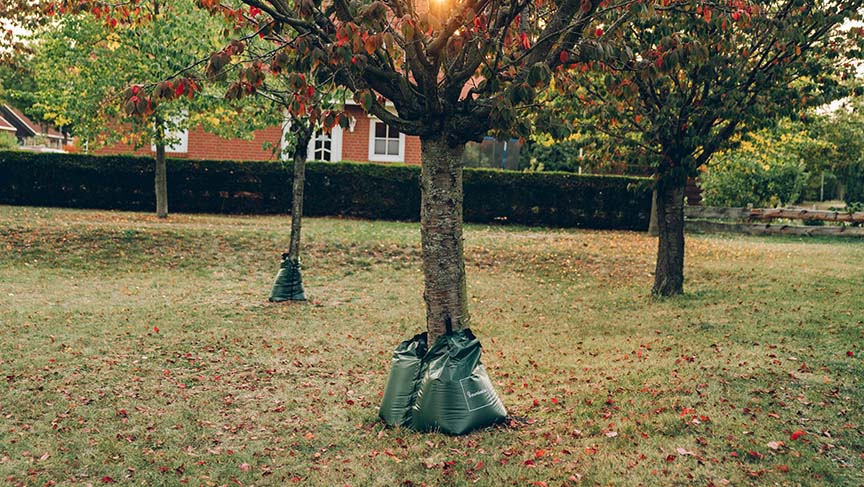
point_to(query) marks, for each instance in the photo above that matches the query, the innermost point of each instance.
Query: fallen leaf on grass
(776, 445)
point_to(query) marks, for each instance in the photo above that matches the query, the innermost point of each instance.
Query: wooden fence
(707, 219)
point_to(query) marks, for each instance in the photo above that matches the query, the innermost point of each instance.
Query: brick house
(30, 134)
(368, 139)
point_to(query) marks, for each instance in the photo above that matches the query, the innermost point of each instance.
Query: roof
(5, 125)
(21, 122)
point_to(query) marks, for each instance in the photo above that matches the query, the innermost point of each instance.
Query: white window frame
(381, 157)
(335, 145)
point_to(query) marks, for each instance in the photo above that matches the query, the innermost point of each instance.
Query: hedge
(372, 191)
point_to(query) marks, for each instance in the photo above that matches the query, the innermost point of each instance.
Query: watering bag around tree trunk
(403, 381)
(455, 395)
(289, 283)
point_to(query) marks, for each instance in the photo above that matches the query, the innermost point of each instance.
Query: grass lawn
(142, 352)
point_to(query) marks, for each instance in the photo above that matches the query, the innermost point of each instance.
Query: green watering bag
(289, 283)
(455, 394)
(445, 389)
(403, 381)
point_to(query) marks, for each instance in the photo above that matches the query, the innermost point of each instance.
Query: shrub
(8, 141)
(767, 169)
(372, 191)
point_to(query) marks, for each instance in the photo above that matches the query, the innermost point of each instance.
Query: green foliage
(592, 154)
(843, 131)
(737, 178)
(545, 154)
(766, 169)
(8, 141)
(83, 62)
(679, 81)
(370, 191)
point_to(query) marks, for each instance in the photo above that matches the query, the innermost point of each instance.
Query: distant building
(30, 134)
(368, 139)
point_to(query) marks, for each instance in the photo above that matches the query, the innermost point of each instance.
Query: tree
(842, 130)
(319, 116)
(91, 68)
(680, 78)
(310, 103)
(766, 167)
(452, 73)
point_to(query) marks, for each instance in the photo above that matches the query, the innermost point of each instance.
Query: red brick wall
(412, 150)
(203, 145)
(355, 145)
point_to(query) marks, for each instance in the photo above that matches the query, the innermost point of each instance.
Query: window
(321, 147)
(326, 147)
(386, 144)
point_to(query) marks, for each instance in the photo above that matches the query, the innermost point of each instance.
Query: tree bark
(161, 171)
(441, 236)
(652, 220)
(669, 274)
(303, 137)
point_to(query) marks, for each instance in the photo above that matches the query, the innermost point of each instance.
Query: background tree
(680, 78)
(843, 131)
(312, 105)
(307, 98)
(765, 168)
(90, 69)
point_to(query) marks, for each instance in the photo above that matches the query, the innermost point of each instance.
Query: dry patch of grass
(144, 352)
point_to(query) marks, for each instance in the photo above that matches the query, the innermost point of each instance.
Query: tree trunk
(669, 275)
(441, 236)
(289, 281)
(652, 220)
(297, 194)
(161, 171)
